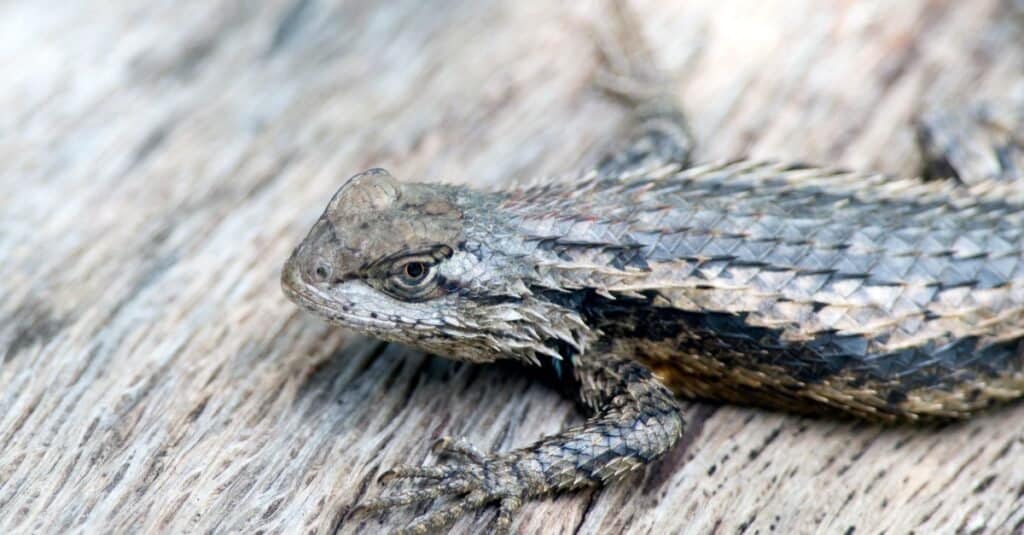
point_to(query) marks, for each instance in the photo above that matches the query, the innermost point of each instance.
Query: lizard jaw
(357, 306)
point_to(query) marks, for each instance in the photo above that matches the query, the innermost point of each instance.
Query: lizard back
(791, 287)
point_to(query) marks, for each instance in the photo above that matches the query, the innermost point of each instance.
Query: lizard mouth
(294, 287)
(330, 307)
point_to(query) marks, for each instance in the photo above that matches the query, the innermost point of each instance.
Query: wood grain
(161, 158)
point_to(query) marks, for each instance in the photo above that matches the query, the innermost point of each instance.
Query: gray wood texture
(161, 158)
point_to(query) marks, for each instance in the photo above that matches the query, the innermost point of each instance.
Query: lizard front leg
(635, 420)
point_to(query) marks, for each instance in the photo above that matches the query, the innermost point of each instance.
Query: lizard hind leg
(660, 135)
(976, 143)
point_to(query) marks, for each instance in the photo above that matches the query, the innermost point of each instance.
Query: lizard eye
(412, 279)
(415, 271)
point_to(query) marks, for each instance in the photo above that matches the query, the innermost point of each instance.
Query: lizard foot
(627, 71)
(976, 143)
(468, 479)
(626, 65)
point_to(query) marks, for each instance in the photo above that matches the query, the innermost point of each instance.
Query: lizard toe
(464, 481)
(503, 524)
(458, 448)
(401, 497)
(410, 471)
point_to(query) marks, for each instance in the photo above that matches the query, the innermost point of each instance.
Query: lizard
(794, 287)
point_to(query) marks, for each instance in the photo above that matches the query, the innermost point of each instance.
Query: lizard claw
(465, 480)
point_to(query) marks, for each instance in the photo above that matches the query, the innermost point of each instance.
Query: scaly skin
(805, 289)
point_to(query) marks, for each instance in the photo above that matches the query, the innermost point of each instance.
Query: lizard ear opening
(369, 191)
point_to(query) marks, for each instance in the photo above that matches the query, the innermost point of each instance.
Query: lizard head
(433, 266)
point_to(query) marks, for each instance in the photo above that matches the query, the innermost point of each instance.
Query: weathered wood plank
(161, 158)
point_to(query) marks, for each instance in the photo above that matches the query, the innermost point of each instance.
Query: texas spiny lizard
(787, 286)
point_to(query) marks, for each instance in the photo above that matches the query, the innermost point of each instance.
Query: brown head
(433, 266)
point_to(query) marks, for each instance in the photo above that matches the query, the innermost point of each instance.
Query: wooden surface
(161, 158)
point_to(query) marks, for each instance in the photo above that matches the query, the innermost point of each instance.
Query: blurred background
(161, 158)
